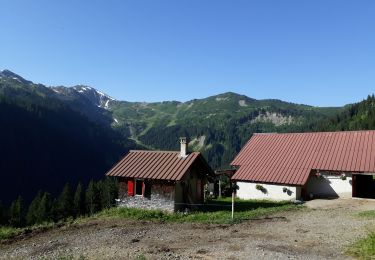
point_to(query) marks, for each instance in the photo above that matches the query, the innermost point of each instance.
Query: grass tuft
(364, 248)
(367, 214)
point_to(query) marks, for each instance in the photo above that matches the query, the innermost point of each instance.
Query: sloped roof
(159, 165)
(289, 158)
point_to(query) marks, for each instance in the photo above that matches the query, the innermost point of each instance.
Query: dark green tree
(33, 210)
(16, 213)
(79, 202)
(108, 192)
(92, 198)
(65, 203)
(55, 210)
(44, 213)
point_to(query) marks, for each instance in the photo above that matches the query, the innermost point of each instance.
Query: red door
(130, 187)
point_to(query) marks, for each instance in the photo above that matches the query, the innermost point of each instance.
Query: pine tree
(45, 209)
(16, 218)
(100, 190)
(92, 198)
(32, 212)
(108, 193)
(65, 203)
(79, 202)
(105, 196)
(55, 210)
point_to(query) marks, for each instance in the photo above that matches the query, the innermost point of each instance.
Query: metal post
(220, 187)
(232, 204)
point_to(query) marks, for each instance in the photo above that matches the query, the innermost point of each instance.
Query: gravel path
(320, 231)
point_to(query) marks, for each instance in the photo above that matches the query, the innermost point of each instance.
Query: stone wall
(122, 188)
(162, 198)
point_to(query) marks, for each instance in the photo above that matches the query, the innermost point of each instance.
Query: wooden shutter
(130, 187)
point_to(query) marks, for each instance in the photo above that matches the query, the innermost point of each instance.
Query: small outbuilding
(292, 166)
(166, 180)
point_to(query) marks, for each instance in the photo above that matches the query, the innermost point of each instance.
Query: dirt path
(321, 231)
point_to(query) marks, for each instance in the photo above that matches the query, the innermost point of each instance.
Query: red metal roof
(160, 165)
(289, 158)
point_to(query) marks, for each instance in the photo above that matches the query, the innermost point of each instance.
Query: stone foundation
(156, 201)
(161, 196)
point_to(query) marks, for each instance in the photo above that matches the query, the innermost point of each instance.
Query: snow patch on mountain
(97, 97)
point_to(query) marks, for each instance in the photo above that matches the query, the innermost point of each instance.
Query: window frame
(142, 189)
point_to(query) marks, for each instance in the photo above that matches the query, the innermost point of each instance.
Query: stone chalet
(166, 180)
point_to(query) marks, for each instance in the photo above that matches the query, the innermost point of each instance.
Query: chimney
(183, 146)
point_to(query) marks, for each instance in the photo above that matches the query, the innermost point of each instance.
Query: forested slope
(44, 143)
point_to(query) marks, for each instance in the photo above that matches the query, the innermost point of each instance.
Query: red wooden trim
(130, 187)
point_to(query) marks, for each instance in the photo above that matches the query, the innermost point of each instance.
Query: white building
(306, 165)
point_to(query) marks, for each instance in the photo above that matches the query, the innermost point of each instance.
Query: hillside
(359, 116)
(218, 126)
(44, 143)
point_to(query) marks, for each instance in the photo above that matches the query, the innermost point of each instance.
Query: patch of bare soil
(321, 231)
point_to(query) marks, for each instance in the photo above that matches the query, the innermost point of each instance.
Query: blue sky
(312, 52)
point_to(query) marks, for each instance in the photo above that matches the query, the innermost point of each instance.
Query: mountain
(218, 126)
(45, 141)
(7, 74)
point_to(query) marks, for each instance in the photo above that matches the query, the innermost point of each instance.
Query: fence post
(232, 204)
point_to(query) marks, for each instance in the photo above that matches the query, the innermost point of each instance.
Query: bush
(8, 232)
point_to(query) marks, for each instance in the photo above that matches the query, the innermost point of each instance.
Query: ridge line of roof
(160, 151)
(328, 132)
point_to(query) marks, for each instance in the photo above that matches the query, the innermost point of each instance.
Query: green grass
(9, 232)
(218, 213)
(364, 248)
(367, 214)
(140, 257)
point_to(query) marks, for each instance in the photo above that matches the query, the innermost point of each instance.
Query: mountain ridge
(79, 87)
(157, 125)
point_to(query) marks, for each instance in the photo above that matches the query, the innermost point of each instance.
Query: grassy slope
(220, 107)
(216, 212)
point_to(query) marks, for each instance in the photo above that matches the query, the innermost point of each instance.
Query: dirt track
(321, 231)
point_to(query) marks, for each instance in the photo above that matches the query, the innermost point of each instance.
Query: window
(139, 187)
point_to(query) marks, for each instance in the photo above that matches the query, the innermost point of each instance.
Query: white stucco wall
(329, 185)
(248, 190)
